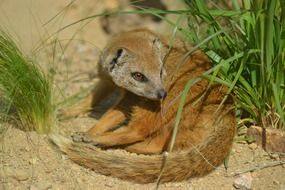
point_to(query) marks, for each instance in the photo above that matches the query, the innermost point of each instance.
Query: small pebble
(252, 146)
(63, 157)
(16, 174)
(78, 180)
(275, 182)
(275, 156)
(41, 185)
(238, 150)
(33, 161)
(243, 182)
(21, 176)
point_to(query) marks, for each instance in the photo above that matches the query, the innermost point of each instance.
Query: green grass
(253, 45)
(24, 88)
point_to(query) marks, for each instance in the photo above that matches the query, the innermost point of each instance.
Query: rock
(63, 157)
(271, 140)
(275, 156)
(243, 182)
(238, 150)
(78, 180)
(275, 182)
(19, 175)
(33, 161)
(252, 146)
(41, 185)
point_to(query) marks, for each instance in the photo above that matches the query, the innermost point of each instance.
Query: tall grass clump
(24, 88)
(250, 50)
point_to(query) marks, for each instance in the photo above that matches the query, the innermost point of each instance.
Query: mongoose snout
(161, 94)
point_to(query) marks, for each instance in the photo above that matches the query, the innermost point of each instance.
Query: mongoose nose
(161, 94)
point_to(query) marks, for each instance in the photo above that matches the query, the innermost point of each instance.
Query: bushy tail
(179, 166)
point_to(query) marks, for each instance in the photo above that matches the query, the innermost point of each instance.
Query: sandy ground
(29, 161)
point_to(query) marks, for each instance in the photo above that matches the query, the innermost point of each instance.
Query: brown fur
(205, 134)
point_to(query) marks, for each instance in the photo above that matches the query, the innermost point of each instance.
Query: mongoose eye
(139, 77)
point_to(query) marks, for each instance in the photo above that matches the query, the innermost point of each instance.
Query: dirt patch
(29, 161)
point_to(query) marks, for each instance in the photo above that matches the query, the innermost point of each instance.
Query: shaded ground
(28, 161)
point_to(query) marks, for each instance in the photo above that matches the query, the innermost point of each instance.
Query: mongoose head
(134, 61)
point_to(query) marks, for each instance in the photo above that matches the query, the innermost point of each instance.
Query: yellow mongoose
(151, 74)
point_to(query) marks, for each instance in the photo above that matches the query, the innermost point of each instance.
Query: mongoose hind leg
(152, 145)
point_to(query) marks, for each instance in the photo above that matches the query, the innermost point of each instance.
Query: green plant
(25, 88)
(251, 48)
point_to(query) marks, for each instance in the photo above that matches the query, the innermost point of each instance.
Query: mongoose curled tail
(151, 72)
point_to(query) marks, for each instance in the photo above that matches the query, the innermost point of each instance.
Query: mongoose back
(151, 72)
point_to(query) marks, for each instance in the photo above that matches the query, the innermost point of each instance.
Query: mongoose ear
(118, 55)
(176, 43)
(116, 58)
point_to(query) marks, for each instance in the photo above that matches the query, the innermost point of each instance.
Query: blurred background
(31, 22)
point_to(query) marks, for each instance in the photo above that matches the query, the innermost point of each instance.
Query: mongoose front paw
(83, 137)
